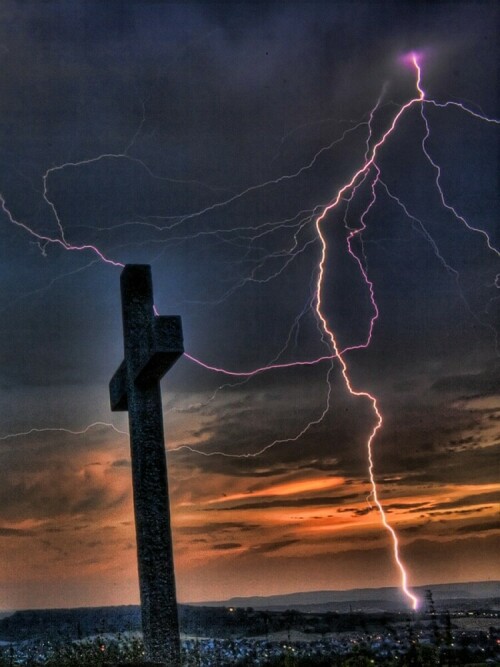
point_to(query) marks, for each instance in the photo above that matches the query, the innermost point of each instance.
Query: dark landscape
(464, 596)
(457, 625)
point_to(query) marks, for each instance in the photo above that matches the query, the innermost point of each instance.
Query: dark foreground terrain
(463, 634)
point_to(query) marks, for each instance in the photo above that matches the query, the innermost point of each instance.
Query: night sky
(205, 139)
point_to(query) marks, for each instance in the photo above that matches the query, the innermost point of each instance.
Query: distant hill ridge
(389, 597)
(217, 618)
(472, 591)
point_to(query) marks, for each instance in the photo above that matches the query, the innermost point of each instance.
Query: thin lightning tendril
(444, 202)
(54, 240)
(278, 441)
(54, 429)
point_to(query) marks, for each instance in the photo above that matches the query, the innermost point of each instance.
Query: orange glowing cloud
(285, 489)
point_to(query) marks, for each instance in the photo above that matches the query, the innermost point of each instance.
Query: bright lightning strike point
(412, 57)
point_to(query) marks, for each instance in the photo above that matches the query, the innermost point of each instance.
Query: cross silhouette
(152, 345)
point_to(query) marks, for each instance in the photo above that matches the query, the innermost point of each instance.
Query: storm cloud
(205, 139)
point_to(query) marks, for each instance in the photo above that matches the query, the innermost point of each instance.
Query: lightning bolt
(369, 162)
(360, 175)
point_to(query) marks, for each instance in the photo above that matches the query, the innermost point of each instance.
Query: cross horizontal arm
(167, 347)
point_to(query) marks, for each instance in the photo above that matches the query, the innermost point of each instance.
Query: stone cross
(152, 345)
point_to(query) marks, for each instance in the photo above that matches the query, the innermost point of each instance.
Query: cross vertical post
(152, 344)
